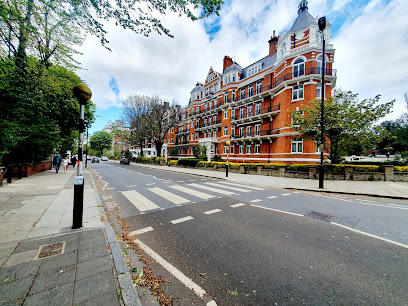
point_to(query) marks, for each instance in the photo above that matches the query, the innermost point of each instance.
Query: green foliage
(346, 120)
(200, 152)
(216, 158)
(298, 167)
(173, 151)
(188, 162)
(39, 112)
(101, 141)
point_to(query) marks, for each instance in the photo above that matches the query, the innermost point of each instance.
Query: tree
(200, 152)
(51, 27)
(39, 111)
(346, 118)
(162, 117)
(100, 141)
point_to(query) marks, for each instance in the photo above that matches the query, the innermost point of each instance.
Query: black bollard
(78, 202)
(20, 171)
(9, 174)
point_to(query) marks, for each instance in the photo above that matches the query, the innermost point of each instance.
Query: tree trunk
(159, 146)
(21, 56)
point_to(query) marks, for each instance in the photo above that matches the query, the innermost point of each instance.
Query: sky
(370, 38)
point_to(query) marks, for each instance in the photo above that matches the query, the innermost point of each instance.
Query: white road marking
(111, 188)
(180, 181)
(229, 187)
(103, 188)
(371, 201)
(210, 212)
(237, 205)
(371, 235)
(281, 211)
(142, 203)
(130, 186)
(212, 303)
(297, 192)
(212, 189)
(150, 184)
(256, 201)
(272, 197)
(193, 180)
(182, 220)
(241, 185)
(169, 196)
(285, 194)
(141, 231)
(174, 271)
(380, 205)
(193, 192)
(397, 205)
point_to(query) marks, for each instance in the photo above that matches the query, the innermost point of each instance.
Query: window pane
(293, 147)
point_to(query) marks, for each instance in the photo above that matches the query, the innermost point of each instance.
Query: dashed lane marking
(192, 192)
(175, 199)
(237, 205)
(150, 184)
(272, 197)
(224, 192)
(139, 201)
(176, 221)
(141, 231)
(380, 205)
(110, 188)
(285, 194)
(277, 210)
(256, 201)
(229, 187)
(210, 212)
(130, 186)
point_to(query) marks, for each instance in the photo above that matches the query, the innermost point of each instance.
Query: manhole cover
(49, 250)
(320, 216)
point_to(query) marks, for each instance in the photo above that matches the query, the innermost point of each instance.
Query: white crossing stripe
(285, 194)
(272, 197)
(141, 231)
(241, 185)
(237, 205)
(256, 201)
(130, 186)
(228, 187)
(182, 220)
(151, 184)
(210, 212)
(212, 189)
(192, 192)
(139, 201)
(169, 196)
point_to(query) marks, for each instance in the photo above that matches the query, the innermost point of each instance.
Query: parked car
(104, 158)
(125, 161)
(89, 157)
(95, 160)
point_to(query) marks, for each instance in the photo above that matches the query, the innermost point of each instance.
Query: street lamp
(83, 94)
(322, 26)
(228, 147)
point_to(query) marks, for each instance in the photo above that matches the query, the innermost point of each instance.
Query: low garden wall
(26, 170)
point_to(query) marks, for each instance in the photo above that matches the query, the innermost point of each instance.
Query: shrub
(217, 158)
(363, 168)
(219, 164)
(189, 162)
(298, 167)
(173, 162)
(272, 166)
(401, 168)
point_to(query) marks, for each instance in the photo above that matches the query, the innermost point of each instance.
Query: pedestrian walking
(56, 162)
(73, 161)
(65, 163)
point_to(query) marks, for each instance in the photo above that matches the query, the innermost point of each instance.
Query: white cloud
(370, 49)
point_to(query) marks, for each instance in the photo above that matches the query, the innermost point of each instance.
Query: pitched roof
(302, 21)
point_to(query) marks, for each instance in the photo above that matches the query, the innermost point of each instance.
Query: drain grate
(50, 250)
(319, 216)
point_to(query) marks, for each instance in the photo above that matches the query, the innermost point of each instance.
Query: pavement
(45, 262)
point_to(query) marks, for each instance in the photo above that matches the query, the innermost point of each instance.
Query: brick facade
(258, 100)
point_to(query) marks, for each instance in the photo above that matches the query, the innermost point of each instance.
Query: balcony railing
(257, 112)
(286, 77)
(261, 133)
(181, 131)
(208, 124)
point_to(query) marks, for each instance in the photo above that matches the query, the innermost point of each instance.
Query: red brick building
(250, 107)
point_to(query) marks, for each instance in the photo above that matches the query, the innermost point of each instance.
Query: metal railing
(257, 112)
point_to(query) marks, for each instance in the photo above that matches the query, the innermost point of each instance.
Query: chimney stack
(227, 62)
(273, 42)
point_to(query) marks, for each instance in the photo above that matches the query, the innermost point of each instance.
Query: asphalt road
(254, 246)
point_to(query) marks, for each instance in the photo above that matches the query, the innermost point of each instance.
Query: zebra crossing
(183, 194)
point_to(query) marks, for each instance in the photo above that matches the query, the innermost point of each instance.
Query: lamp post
(83, 94)
(228, 147)
(322, 26)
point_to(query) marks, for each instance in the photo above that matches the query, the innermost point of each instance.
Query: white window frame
(297, 91)
(215, 134)
(296, 145)
(232, 130)
(225, 151)
(241, 113)
(249, 110)
(319, 90)
(225, 130)
(241, 132)
(258, 87)
(241, 149)
(242, 94)
(257, 109)
(257, 130)
(298, 67)
(257, 148)
(250, 89)
(232, 149)
(233, 96)
(226, 113)
(226, 97)
(249, 131)
(248, 149)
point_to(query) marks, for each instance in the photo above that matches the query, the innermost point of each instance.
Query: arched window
(298, 68)
(319, 63)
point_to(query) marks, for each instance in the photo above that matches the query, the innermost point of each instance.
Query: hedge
(189, 162)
